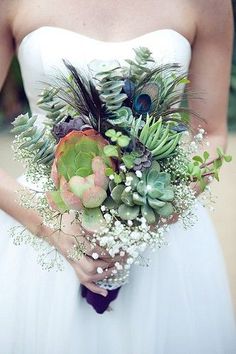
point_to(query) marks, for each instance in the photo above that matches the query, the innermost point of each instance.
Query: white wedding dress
(180, 304)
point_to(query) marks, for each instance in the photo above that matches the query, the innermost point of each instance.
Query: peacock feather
(79, 92)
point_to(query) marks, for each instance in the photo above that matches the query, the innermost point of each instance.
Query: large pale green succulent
(79, 176)
(150, 196)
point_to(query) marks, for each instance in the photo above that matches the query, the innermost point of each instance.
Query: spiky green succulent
(34, 142)
(158, 137)
(150, 196)
(56, 110)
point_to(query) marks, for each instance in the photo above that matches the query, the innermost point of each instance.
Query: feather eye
(142, 103)
(147, 99)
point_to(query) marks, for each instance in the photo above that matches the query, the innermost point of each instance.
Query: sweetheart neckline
(28, 35)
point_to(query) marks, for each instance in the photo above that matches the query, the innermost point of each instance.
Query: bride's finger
(96, 289)
(86, 280)
(107, 273)
(91, 266)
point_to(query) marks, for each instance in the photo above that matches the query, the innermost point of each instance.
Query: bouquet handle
(97, 301)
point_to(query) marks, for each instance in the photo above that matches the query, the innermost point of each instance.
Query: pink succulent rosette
(79, 175)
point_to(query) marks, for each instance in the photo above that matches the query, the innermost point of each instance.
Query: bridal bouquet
(116, 151)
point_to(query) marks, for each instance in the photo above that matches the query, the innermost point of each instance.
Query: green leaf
(110, 133)
(216, 176)
(155, 203)
(198, 159)
(123, 141)
(148, 214)
(227, 158)
(127, 198)
(109, 171)
(128, 213)
(217, 163)
(83, 172)
(206, 155)
(220, 152)
(83, 160)
(128, 160)
(56, 197)
(110, 203)
(92, 219)
(196, 171)
(185, 80)
(116, 193)
(138, 199)
(117, 178)
(190, 168)
(111, 151)
(202, 184)
(166, 211)
(168, 195)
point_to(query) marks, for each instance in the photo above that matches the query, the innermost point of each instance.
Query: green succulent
(122, 117)
(36, 142)
(110, 83)
(118, 138)
(159, 137)
(139, 66)
(150, 197)
(56, 110)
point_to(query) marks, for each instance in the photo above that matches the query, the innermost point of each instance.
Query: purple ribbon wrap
(97, 301)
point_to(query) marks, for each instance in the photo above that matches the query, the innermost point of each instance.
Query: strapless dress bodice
(40, 53)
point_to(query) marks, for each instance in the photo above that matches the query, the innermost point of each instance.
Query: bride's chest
(105, 20)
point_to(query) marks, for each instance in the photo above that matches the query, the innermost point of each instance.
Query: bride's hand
(95, 265)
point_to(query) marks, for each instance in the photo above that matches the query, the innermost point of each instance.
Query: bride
(181, 303)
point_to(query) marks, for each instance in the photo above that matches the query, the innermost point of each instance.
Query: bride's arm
(210, 68)
(7, 184)
(86, 268)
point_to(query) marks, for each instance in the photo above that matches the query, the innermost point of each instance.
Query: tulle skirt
(180, 304)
